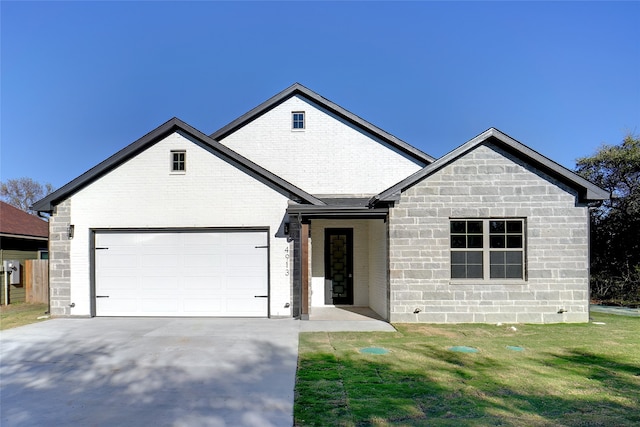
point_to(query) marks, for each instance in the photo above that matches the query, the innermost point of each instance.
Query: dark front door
(338, 263)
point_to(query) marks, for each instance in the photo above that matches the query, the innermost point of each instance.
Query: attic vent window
(297, 120)
(178, 161)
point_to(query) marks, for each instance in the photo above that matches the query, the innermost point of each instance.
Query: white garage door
(204, 273)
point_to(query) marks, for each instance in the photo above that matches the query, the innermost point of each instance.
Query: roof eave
(24, 236)
(47, 203)
(587, 191)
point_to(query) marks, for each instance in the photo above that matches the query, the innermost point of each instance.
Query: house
(22, 237)
(300, 203)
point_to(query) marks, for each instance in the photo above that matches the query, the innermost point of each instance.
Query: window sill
(298, 130)
(177, 173)
(512, 282)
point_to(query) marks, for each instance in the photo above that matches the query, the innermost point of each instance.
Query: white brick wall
(484, 183)
(329, 157)
(142, 193)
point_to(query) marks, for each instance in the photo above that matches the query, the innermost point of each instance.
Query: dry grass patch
(15, 315)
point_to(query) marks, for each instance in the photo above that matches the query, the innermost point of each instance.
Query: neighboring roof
(204, 141)
(586, 190)
(298, 89)
(17, 223)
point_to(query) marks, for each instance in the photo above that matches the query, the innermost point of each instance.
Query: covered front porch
(345, 319)
(340, 262)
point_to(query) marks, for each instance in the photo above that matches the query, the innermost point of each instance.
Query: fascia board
(589, 191)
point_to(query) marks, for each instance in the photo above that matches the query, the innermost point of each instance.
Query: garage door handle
(98, 249)
(261, 296)
(102, 296)
(262, 247)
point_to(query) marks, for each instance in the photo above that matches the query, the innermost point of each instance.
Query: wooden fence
(36, 280)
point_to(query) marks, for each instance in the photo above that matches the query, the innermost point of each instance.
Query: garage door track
(149, 371)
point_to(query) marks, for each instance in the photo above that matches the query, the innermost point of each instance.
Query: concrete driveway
(149, 372)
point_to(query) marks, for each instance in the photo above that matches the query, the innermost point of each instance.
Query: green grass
(568, 375)
(20, 314)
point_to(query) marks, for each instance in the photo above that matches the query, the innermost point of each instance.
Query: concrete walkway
(344, 319)
(149, 372)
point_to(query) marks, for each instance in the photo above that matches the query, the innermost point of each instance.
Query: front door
(338, 264)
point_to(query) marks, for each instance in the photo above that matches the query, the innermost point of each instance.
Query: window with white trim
(297, 120)
(178, 161)
(487, 249)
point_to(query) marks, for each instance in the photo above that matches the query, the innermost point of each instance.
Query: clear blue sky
(81, 80)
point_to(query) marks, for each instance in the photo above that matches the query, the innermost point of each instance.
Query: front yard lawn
(535, 375)
(14, 315)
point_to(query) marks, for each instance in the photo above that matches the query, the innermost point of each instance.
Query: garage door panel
(209, 262)
(204, 285)
(127, 304)
(243, 283)
(110, 239)
(118, 272)
(202, 306)
(208, 250)
(208, 273)
(204, 239)
(238, 261)
(240, 239)
(159, 239)
(159, 261)
(119, 285)
(245, 307)
(160, 306)
(158, 284)
(115, 260)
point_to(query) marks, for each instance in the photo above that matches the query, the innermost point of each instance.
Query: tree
(23, 192)
(615, 225)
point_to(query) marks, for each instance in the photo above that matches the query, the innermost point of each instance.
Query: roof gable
(299, 90)
(175, 125)
(587, 191)
(15, 222)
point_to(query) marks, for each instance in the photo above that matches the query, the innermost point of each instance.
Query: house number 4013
(286, 262)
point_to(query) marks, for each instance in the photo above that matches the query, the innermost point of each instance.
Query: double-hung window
(487, 249)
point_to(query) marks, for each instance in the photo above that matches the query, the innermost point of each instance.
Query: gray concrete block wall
(60, 260)
(484, 183)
